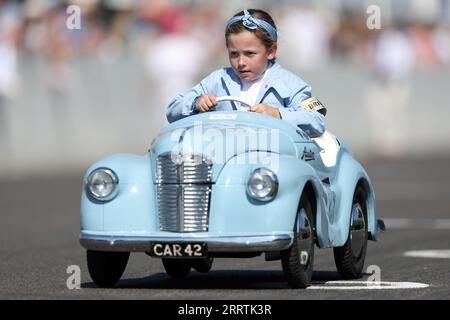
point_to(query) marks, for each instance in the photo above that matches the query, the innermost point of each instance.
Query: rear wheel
(202, 265)
(349, 258)
(298, 260)
(106, 268)
(177, 268)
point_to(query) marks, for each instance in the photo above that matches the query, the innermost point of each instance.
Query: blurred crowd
(182, 40)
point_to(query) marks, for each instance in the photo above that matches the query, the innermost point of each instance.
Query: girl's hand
(206, 102)
(267, 110)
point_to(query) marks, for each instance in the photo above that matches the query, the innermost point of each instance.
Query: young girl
(255, 77)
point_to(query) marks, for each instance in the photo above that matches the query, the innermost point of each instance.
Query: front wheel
(298, 260)
(349, 258)
(106, 268)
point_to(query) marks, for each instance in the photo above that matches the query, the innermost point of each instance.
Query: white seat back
(330, 148)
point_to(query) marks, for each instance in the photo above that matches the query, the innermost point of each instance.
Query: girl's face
(248, 56)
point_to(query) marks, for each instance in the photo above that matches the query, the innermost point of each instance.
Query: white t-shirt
(250, 90)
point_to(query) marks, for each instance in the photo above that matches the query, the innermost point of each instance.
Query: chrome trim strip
(215, 244)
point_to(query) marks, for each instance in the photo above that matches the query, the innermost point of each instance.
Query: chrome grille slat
(183, 193)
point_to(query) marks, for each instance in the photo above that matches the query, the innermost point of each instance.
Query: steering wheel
(244, 105)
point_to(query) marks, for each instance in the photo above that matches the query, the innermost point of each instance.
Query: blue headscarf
(252, 23)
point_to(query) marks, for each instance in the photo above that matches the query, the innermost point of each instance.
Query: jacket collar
(233, 83)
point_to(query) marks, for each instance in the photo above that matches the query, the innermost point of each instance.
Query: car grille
(183, 193)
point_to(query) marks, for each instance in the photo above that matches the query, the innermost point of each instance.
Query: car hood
(218, 137)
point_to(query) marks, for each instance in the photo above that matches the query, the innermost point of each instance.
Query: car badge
(222, 117)
(308, 155)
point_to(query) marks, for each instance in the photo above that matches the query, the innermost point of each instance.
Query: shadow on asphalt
(232, 279)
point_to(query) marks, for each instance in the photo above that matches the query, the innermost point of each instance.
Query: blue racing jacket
(281, 89)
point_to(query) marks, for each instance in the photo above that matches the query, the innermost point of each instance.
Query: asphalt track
(39, 231)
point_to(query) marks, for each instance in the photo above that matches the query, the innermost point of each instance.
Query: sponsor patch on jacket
(313, 104)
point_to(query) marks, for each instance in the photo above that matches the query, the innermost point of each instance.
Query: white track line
(367, 285)
(405, 223)
(439, 254)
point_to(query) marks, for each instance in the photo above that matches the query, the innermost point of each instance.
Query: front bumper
(263, 243)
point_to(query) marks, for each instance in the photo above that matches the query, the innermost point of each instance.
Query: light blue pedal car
(229, 184)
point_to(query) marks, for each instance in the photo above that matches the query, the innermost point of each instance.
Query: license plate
(178, 250)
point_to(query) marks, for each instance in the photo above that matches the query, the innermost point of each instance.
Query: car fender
(134, 207)
(349, 174)
(232, 209)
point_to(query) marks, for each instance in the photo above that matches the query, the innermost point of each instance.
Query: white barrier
(105, 108)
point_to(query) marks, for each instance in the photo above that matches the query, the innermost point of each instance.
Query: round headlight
(102, 184)
(262, 184)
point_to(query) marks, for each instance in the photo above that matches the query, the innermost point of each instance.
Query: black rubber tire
(349, 266)
(106, 268)
(297, 275)
(177, 268)
(202, 265)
